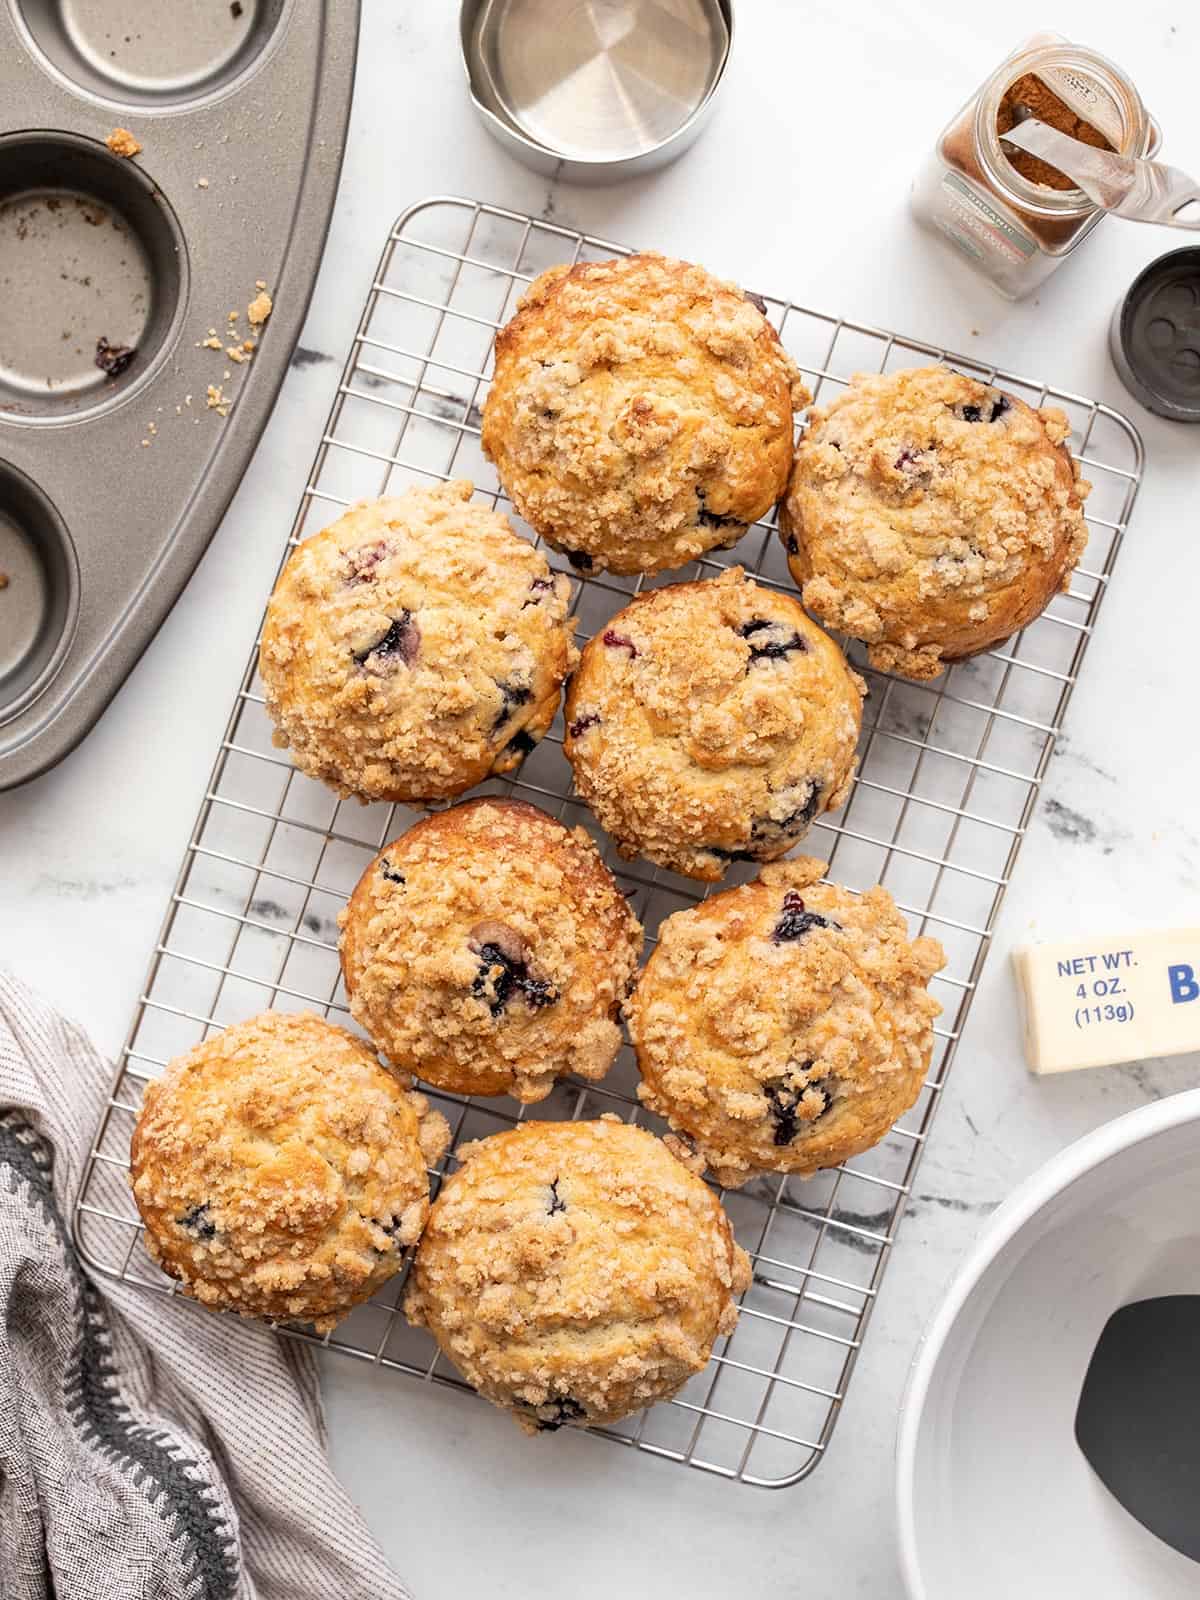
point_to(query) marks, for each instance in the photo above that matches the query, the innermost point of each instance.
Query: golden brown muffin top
(785, 1025)
(576, 1271)
(280, 1170)
(712, 721)
(488, 950)
(641, 411)
(932, 515)
(415, 646)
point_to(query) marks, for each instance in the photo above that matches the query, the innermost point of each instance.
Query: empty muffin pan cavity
(91, 276)
(149, 55)
(39, 591)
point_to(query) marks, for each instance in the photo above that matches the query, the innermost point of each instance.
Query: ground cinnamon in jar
(961, 153)
(1032, 93)
(1014, 218)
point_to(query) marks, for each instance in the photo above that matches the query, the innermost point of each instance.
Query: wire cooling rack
(948, 776)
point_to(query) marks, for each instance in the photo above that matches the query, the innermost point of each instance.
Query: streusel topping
(710, 722)
(784, 1026)
(281, 1171)
(415, 647)
(488, 950)
(932, 516)
(575, 1272)
(641, 412)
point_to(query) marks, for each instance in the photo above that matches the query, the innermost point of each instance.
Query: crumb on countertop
(3, 580)
(122, 143)
(202, 183)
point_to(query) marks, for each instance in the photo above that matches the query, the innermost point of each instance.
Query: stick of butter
(1090, 1002)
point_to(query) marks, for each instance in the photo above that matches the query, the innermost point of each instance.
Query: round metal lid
(1156, 336)
(600, 80)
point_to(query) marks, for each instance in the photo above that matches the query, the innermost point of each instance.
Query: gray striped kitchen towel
(148, 1451)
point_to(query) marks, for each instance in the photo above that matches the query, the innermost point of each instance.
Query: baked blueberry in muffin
(641, 412)
(932, 516)
(415, 647)
(712, 722)
(280, 1171)
(786, 1025)
(488, 951)
(575, 1272)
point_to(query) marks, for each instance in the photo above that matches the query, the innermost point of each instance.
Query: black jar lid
(1155, 336)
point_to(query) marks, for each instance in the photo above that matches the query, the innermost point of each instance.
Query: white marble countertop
(799, 184)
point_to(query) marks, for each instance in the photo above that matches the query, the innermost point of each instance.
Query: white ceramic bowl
(996, 1501)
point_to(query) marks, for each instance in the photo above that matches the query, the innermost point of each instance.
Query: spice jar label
(977, 227)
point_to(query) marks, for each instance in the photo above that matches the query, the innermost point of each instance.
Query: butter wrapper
(1093, 1001)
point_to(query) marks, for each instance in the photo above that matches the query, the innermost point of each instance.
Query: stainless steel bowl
(595, 90)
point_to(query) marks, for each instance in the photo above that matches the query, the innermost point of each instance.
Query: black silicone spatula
(1138, 1421)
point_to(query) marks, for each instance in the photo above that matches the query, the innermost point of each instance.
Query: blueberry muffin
(281, 1171)
(785, 1025)
(932, 516)
(712, 722)
(641, 412)
(415, 647)
(488, 950)
(575, 1272)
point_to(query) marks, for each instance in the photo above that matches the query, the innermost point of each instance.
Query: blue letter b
(1183, 984)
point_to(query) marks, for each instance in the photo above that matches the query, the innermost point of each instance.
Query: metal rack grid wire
(949, 773)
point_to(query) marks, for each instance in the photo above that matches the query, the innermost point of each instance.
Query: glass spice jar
(1016, 226)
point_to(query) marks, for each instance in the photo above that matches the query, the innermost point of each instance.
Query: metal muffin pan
(114, 474)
